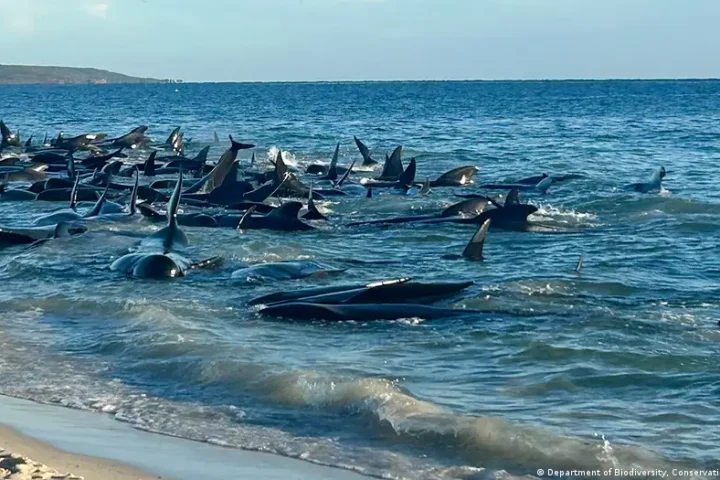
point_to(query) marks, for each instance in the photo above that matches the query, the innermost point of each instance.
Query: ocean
(613, 368)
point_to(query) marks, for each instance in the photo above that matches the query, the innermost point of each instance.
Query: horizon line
(170, 81)
(468, 80)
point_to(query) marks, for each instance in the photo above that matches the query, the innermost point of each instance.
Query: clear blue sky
(268, 40)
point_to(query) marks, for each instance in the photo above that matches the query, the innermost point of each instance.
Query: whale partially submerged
(386, 291)
(159, 255)
(285, 271)
(654, 184)
(360, 312)
(10, 236)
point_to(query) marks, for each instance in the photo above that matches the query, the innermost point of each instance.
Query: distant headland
(35, 75)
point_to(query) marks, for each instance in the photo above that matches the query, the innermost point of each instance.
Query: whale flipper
(172, 138)
(474, 249)
(74, 193)
(68, 229)
(365, 152)
(407, 178)
(237, 146)
(71, 167)
(544, 184)
(9, 139)
(148, 212)
(287, 210)
(393, 168)
(471, 206)
(579, 266)
(97, 208)
(346, 175)
(132, 208)
(212, 262)
(134, 139)
(217, 175)
(248, 213)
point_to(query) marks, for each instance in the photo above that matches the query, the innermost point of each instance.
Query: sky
(316, 40)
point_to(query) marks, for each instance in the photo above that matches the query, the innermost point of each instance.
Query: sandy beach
(42, 442)
(23, 458)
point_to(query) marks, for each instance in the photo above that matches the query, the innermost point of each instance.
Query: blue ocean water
(616, 367)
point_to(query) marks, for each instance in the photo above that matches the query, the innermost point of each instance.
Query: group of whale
(85, 168)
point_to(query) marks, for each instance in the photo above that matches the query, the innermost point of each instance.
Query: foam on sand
(92, 444)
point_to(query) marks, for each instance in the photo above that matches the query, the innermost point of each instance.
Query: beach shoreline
(24, 458)
(60, 442)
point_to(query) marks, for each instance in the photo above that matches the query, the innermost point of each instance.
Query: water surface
(616, 367)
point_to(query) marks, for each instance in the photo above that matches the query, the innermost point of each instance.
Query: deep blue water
(616, 367)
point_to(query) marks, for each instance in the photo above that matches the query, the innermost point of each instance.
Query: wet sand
(46, 442)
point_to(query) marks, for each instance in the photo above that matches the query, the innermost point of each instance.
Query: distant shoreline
(38, 75)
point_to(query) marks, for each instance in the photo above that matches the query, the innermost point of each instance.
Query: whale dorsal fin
(332, 171)
(202, 156)
(149, 169)
(311, 202)
(313, 213)
(216, 138)
(281, 169)
(513, 197)
(173, 136)
(474, 249)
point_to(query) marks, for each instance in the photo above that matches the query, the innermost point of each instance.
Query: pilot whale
(158, 256)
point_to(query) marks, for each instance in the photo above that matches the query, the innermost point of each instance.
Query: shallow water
(615, 367)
